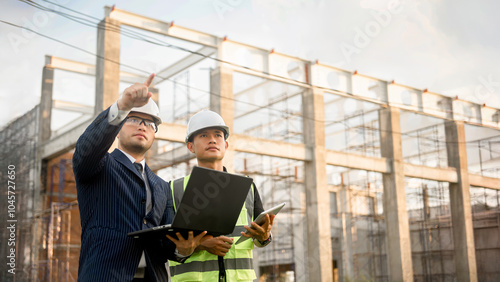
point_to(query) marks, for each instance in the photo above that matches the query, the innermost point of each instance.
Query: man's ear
(227, 145)
(190, 147)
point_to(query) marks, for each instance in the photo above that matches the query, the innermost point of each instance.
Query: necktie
(138, 166)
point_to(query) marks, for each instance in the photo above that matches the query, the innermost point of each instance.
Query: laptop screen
(212, 201)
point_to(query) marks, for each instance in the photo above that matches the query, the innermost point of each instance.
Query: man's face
(209, 145)
(136, 138)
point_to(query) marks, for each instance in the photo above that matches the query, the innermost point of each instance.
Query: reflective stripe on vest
(212, 265)
(202, 265)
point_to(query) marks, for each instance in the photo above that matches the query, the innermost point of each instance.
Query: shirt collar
(132, 160)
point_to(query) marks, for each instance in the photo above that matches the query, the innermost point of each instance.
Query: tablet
(261, 218)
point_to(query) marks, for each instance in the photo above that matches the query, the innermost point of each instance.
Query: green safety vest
(204, 266)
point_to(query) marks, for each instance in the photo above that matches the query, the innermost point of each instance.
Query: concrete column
(153, 151)
(319, 239)
(396, 215)
(221, 101)
(299, 234)
(346, 212)
(46, 102)
(107, 64)
(44, 132)
(461, 215)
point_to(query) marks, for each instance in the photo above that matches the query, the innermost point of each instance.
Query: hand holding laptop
(187, 246)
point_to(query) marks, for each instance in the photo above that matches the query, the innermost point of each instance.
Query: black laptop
(212, 201)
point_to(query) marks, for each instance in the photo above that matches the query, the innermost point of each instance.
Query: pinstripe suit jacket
(111, 199)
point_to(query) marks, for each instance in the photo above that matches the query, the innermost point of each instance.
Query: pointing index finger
(149, 80)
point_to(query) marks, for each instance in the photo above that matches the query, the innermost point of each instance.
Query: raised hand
(136, 95)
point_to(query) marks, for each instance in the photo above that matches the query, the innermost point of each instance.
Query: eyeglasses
(137, 121)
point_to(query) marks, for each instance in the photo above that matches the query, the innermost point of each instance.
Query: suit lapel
(121, 158)
(151, 177)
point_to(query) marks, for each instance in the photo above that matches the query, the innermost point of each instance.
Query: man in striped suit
(118, 194)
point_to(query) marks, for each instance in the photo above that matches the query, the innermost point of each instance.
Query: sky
(450, 47)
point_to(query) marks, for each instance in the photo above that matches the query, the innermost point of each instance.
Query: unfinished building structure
(383, 182)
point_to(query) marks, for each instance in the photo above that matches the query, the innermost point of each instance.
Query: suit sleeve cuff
(115, 115)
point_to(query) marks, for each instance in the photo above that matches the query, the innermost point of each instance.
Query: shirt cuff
(115, 115)
(179, 256)
(263, 243)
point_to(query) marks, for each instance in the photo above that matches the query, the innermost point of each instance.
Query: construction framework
(382, 181)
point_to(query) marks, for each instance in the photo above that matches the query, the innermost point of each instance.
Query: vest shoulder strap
(178, 191)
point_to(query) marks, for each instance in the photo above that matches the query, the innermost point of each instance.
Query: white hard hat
(150, 109)
(206, 119)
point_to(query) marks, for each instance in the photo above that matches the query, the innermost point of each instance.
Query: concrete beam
(170, 158)
(267, 76)
(161, 27)
(88, 69)
(396, 215)
(259, 85)
(283, 65)
(185, 63)
(483, 181)
(62, 143)
(169, 29)
(461, 213)
(66, 141)
(171, 132)
(260, 146)
(448, 174)
(272, 102)
(343, 159)
(71, 124)
(72, 107)
(397, 92)
(71, 66)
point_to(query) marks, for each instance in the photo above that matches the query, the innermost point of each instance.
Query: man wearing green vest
(218, 259)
